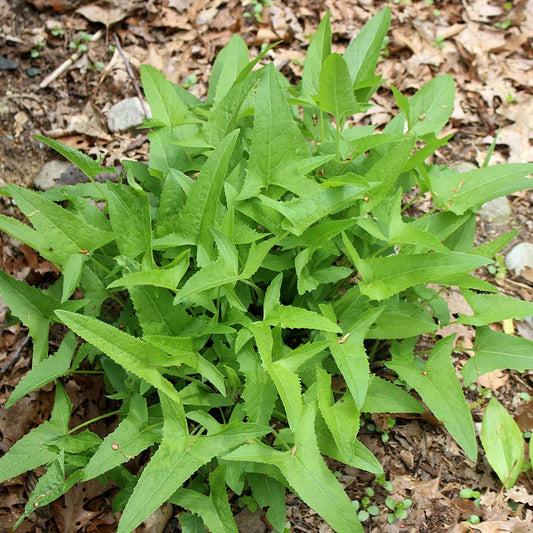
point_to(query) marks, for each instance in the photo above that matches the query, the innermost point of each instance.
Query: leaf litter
(491, 64)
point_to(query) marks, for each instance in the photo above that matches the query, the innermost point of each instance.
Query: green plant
(262, 251)
(398, 509)
(35, 52)
(57, 31)
(257, 9)
(80, 42)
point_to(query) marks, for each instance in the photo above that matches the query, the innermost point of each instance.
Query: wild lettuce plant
(264, 249)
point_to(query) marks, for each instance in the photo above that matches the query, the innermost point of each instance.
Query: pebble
(32, 72)
(7, 64)
(520, 259)
(58, 173)
(125, 115)
(497, 211)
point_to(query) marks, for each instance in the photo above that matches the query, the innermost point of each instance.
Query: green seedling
(57, 31)
(398, 509)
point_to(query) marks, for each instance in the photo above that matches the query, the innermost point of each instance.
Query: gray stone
(58, 173)
(497, 211)
(520, 259)
(250, 522)
(125, 115)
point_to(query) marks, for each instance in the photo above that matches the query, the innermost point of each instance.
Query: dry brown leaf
(524, 417)
(520, 495)
(493, 380)
(503, 526)
(109, 13)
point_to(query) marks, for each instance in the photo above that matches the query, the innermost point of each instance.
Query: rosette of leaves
(262, 251)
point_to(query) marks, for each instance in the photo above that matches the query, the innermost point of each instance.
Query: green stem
(107, 415)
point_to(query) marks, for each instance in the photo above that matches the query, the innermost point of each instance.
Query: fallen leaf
(493, 380)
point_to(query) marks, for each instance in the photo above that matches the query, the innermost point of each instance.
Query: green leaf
(165, 105)
(42, 373)
(335, 95)
(503, 442)
(35, 309)
(227, 66)
(441, 392)
(288, 316)
(129, 212)
(136, 356)
(33, 450)
(385, 276)
(362, 54)
(318, 51)
(431, 106)
(307, 473)
(72, 270)
(275, 137)
(495, 351)
(58, 228)
(133, 435)
(489, 308)
(351, 358)
(459, 192)
(269, 492)
(85, 163)
(201, 205)
(176, 460)
(213, 509)
(385, 397)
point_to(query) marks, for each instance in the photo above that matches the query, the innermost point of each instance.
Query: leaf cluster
(262, 252)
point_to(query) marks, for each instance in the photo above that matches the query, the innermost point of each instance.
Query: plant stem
(107, 415)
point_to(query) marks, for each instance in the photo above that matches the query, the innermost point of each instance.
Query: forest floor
(485, 45)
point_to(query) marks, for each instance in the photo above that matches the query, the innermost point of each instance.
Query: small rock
(4, 108)
(125, 115)
(58, 173)
(32, 72)
(7, 64)
(407, 459)
(497, 211)
(520, 260)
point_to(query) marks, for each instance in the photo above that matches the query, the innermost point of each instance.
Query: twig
(68, 63)
(16, 354)
(130, 74)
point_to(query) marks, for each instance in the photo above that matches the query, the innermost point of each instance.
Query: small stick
(68, 63)
(130, 74)
(15, 356)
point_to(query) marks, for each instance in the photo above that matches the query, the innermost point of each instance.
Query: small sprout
(374, 510)
(390, 503)
(474, 519)
(388, 486)
(370, 492)
(363, 515)
(356, 504)
(190, 80)
(385, 437)
(525, 396)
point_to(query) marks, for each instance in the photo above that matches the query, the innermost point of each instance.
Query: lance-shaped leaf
(201, 205)
(495, 351)
(42, 373)
(489, 308)
(318, 51)
(135, 355)
(269, 492)
(227, 66)
(213, 509)
(176, 460)
(129, 212)
(384, 277)
(275, 138)
(34, 449)
(335, 94)
(307, 473)
(351, 358)
(165, 106)
(385, 397)
(35, 309)
(441, 391)
(342, 420)
(131, 437)
(363, 52)
(60, 229)
(431, 106)
(85, 163)
(503, 442)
